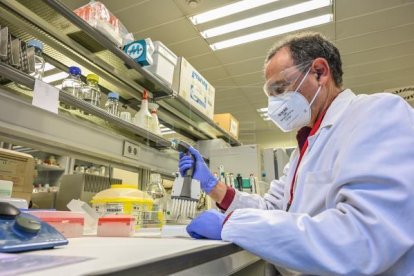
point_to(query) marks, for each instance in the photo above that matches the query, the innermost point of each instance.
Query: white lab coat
(353, 210)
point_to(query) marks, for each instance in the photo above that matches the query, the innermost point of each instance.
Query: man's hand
(207, 225)
(201, 171)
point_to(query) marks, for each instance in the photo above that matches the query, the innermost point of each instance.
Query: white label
(46, 96)
(233, 127)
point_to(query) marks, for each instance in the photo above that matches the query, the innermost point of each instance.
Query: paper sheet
(46, 96)
(16, 264)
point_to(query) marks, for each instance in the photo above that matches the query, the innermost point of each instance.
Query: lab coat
(353, 209)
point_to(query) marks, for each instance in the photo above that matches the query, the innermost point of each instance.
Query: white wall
(270, 139)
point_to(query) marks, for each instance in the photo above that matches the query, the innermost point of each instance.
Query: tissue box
(141, 51)
(227, 122)
(194, 88)
(164, 62)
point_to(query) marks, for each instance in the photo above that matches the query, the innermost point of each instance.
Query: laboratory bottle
(39, 61)
(112, 104)
(143, 117)
(91, 92)
(72, 84)
(156, 190)
(154, 124)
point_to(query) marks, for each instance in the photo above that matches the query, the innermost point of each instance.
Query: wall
(270, 139)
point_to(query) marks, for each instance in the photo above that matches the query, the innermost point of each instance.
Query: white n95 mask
(291, 110)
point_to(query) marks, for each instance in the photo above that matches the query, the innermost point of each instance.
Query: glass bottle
(38, 58)
(112, 104)
(72, 84)
(156, 190)
(91, 92)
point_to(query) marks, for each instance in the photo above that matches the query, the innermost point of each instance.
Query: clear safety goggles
(288, 78)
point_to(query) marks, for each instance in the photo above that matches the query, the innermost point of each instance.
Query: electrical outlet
(131, 150)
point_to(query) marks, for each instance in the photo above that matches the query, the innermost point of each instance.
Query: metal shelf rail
(15, 75)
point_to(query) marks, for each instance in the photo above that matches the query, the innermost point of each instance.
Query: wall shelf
(71, 40)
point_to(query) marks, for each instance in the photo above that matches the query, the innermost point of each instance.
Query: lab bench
(148, 256)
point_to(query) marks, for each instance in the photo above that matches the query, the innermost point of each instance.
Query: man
(346, 201)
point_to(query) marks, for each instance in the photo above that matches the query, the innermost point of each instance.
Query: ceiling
(375, 38)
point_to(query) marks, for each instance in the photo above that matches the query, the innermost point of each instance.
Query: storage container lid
(122, 193)
(113, 95)
(59, 216)
(35, 43)
(116, 218)
(92, 77)
(73, 70)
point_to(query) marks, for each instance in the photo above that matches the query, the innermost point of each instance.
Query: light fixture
(315, 21)
(263, 113)
(165, 130)
(48, 67)
(55, 77)
(228, 10)
(266, 17)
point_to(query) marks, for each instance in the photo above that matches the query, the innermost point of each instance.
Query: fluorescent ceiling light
(48, 67)
(55, 77)
(315, 21)
(228, 10)
(266, 17)
(263, 113)
(166, 130)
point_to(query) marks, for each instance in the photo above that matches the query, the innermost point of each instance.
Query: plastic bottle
(72, 84)
(154, 123)
(143, 117)
(112, 104)
(38, 58)
(91, 92)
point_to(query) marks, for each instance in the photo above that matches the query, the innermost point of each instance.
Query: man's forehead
(279, 62)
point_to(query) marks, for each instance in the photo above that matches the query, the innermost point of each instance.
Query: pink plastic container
(70, 224)
(116, 226)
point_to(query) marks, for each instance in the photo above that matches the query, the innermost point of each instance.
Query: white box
(164, 61)
(194, 88)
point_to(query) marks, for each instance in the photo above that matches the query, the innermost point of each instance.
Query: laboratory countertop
(139, 255)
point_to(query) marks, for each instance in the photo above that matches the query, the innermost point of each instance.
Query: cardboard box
(20, 169)
(194, 88)
(228, 123)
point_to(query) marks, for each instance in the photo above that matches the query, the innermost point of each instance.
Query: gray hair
(305, 47)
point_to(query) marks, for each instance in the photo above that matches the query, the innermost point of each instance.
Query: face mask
(291, 110)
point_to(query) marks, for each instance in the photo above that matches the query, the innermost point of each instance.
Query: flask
(143, 117)
(112, 104)
(72, 84)
(91, 92)
(156, 190)
(38, 58)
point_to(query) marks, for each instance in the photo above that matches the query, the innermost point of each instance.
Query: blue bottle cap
(35, 43)
(113, 95)
(73, 70)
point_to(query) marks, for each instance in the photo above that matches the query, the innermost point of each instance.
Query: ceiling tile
(172, 33)
(149, 15)
(376, 21)
(354, 8)
(192, 47)
(119, 6)
(204, 61)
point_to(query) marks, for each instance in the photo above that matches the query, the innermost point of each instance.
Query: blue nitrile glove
(201, 171)
(207, 225)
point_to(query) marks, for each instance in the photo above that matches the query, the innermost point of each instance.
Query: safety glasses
(288, 78)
